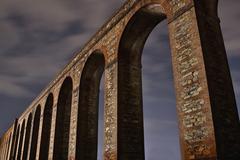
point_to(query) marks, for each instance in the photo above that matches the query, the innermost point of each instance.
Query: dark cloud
(18, 20)
(39, 37)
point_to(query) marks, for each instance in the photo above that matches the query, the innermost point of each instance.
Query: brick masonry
(208, 120)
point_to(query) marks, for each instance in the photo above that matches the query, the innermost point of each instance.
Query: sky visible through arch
(38, 38)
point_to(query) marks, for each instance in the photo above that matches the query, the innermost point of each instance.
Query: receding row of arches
(129, 65)
(27, 134)
(129, 102)
(24, 144)
(87, 126)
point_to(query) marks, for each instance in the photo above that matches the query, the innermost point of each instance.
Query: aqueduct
(61, 123)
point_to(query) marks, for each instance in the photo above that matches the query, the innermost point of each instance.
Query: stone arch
(27, 136)
(203, 88)
(87, 129)
(62, 130)
(8, 146)
(16, 142)
(130, 105)
(19, 153)
(35, 131)
(46, 128)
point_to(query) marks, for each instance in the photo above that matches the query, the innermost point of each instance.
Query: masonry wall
(5, 144)
(201, 135)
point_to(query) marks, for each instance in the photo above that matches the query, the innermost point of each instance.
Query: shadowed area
(19, 153)
(46, 128)
(88, 107)
(35, 130)
(61, 138)
(27, 136)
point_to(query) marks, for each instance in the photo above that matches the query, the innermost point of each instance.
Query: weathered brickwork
(5, 144)
(208, 120)
(189, 74)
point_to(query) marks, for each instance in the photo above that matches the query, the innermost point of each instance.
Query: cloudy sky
(38, 38)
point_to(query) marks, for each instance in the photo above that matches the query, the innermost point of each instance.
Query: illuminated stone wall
(208, 119)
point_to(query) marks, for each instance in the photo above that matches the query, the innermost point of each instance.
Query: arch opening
(35, 131)
(19, 153)
(88, 109)
(16, 142)
(161, 132)
(27, 136)
(62, 130)
(46, 128)
(100, 142)
(131, 121)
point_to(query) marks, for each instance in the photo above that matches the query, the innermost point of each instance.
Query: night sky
(38, 38)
